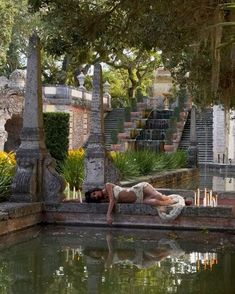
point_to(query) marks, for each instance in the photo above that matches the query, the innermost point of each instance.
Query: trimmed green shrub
(56, 126)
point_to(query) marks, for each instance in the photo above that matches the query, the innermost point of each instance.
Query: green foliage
(118, 80)
(177, 159)
(125, 163)
(144, 162)
(72, 169)
(127, 35)
(56, 126)
(7, 14)
(6, 174)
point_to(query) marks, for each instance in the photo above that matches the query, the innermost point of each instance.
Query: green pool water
(94, 260)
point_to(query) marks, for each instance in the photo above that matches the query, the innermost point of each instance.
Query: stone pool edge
(17, 216)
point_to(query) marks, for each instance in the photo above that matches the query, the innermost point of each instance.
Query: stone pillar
(35, 178)
(193, 149)
(95, 159)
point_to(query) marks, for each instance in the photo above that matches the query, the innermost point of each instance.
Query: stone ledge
(16, 210)
(165, 178)
(137, 209)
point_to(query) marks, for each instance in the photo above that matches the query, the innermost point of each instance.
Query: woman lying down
(140, 193)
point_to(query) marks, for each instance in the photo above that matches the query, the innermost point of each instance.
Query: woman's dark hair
(88, 197)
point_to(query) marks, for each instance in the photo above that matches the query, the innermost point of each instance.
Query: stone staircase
(112, 122)
(204, 129)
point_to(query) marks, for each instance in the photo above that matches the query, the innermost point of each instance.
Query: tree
(138, 64)
(7, 13)
(189, 33)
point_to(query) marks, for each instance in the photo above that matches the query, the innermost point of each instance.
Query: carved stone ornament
(53, 183)
(17, 79)
(25, 180)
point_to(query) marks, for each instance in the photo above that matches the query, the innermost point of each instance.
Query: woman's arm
(109, 190)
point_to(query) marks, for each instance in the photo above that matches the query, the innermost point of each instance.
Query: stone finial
(81, 80)
(17, 79)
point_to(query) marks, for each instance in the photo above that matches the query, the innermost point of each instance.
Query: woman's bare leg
(156, 202)
(152, 195)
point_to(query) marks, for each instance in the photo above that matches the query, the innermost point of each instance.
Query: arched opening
(13, 127)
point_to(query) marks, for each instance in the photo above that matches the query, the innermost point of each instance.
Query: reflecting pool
(94, 260)
(213, 180)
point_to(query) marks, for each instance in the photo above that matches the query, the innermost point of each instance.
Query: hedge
(56, 125)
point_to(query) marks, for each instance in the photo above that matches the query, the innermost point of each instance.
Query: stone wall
(11, 108)
(80, 127)
(167, 179)
(223, 135)
(79, 122)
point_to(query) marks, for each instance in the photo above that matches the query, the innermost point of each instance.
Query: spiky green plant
(177, 159)
(126, 164)
(145, 160)
(73, 168)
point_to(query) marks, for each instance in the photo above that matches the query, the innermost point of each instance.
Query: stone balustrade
(61, 93)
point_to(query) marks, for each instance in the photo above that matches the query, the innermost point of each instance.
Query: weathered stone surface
(167, 179)
(16, 216)
(95, 159)
(3, 82)
(15, 210)
(138, 209)
(3, 216)
(193, 149)
(35, 178)
(17, 79)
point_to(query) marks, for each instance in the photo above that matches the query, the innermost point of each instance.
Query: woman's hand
(109, 189)
(109, 220)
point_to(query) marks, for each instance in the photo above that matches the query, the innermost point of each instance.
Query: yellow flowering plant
(72, 168)
(7, 166)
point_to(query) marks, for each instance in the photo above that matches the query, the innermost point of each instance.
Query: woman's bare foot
(169, 201)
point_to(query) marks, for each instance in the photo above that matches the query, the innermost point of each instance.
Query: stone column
(35, 178)
(193, 149)
(95, 159)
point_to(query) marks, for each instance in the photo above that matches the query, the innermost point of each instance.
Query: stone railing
(61, 94)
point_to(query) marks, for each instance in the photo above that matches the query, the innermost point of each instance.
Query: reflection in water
(208, 179)
(95, 261)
